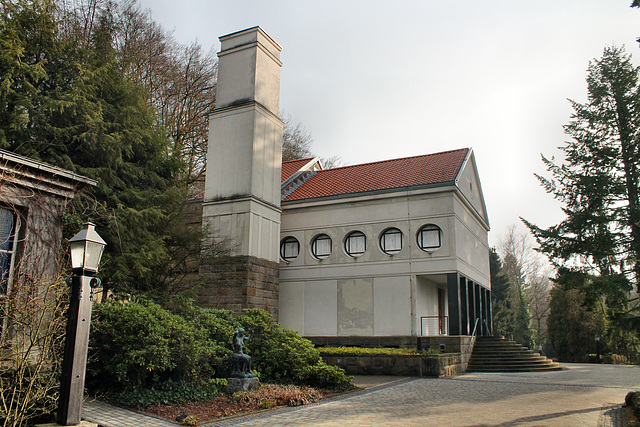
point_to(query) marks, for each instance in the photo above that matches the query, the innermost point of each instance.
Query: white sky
(374, 80)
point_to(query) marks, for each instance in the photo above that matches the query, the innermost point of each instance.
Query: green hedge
(360, 351)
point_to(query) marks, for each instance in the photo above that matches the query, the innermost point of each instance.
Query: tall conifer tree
(598, 184)
(598, 181)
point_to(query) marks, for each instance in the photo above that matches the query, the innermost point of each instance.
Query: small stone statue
(240, 362)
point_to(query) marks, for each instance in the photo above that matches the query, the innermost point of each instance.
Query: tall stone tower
(244, 160)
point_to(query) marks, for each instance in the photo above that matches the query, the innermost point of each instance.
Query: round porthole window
(289, 248)
(321, 246)
(355, 244)
(391, 241)
(429, 237)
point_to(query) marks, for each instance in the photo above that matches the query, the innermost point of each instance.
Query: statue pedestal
(241, 384)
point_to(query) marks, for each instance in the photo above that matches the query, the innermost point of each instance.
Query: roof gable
(290, 167)
(389, 174)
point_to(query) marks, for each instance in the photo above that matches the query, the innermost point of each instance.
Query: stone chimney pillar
(244, 161)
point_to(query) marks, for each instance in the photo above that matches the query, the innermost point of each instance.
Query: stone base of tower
(239, 282)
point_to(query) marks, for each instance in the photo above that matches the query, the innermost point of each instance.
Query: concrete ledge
(439, 365)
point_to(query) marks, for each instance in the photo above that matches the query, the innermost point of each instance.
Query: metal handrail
(445, 320)
(487, 326)
(473, 335)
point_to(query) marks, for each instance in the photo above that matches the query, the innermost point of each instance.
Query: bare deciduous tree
(529, 280)
(180, 81)
(297, 142)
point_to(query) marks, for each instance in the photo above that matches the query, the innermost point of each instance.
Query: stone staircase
(495, 354)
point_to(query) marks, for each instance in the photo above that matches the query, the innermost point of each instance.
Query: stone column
(242, 190)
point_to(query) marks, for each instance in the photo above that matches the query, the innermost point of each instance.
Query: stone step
(515, 369)
(506, 359)
(505, 353)
(513, 363)
(499, 345)
(492, 354)
(493, 339)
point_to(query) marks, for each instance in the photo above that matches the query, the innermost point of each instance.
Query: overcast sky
(374, 80)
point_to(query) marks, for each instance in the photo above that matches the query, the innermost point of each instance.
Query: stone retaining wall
(452, 344)
(439, 365)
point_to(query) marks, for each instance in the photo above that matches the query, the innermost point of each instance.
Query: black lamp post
(86, 251)
(597, 348)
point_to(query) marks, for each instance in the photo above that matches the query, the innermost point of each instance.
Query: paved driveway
(582, 395)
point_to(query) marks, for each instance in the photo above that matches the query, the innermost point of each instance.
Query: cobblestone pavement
(583, 395)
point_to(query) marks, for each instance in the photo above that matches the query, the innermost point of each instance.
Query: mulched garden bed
(243, 403)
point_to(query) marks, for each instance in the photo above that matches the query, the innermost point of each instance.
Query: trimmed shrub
(322, 375)
(142, 354)
(632, 400)
(216, 326)
(140, 345)
(168, 393)
(282, 356)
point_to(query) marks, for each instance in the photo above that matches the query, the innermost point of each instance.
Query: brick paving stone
(611, 416)
(583, 395)
(113, 416)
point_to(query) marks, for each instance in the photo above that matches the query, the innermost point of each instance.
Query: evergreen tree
(574, 317)
(520, 317)
(511, 315)
(598, 184)
(501, 301)
(70, 104)
(598, 181)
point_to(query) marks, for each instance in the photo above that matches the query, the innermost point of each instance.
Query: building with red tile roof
(374, 253)
(391, 248)
(388, 175)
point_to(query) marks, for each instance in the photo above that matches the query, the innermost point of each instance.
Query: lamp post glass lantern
(86, 252)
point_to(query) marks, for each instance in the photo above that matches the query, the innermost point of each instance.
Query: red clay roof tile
(388, 174)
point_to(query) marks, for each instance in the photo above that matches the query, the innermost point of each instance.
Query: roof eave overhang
(25, 172)
(342, 196)
(470, 158)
